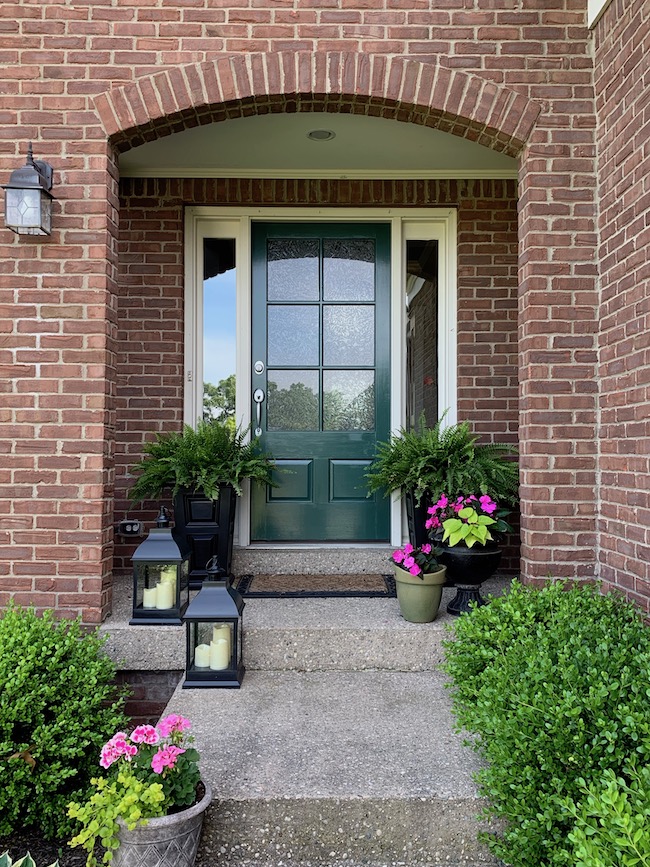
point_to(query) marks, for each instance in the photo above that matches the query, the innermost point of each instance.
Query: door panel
(321, 344)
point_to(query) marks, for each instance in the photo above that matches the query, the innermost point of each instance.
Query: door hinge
(190, 376)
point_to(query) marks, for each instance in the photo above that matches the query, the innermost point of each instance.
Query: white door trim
(439, 224)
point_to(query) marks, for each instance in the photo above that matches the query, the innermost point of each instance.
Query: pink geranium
(173, 723)
(145, 735)
(165, 758)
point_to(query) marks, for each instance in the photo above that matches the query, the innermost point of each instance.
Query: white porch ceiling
(276, 145)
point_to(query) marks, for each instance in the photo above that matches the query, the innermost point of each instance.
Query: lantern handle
(163, 518)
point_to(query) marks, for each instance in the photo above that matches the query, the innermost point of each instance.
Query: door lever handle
(258, 397)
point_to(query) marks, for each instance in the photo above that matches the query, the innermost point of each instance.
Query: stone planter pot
(167, 841)
(469, 568)
(419, 596)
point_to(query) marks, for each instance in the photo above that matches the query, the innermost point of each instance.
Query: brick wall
(622, 47)
(150, 307)
(489, 71)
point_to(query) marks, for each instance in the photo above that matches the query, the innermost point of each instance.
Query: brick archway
(258, 83)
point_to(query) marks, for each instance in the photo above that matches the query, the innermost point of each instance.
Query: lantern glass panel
(212, 644)
(157, 584)
(28, 211)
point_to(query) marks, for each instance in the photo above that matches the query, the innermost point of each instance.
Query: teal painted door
(321, 377)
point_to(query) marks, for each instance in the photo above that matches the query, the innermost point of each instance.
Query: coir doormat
(314, 586)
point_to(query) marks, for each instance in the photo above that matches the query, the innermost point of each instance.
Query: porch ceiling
(276, 145)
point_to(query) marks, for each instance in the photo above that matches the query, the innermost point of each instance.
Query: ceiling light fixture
(321, 135)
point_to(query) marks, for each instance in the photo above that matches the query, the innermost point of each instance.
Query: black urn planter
(208, 528)
(468, 568)
(416, 517)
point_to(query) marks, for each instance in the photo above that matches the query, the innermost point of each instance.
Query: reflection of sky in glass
(219, 327)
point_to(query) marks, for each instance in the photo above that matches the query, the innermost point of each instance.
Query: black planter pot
(415, 518)
(208, 528)
(468, 568)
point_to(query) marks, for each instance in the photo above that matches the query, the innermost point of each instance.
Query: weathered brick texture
(622, 47)
(84, 80)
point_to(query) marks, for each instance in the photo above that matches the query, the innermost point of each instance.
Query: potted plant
(468, 529)
(149, 807)
(204, 468)
(425, 463)
(419, 578)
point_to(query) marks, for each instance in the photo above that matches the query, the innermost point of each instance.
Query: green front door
(321, 377)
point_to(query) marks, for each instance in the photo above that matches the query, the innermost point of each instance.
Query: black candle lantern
(160, 577)
(214, 634)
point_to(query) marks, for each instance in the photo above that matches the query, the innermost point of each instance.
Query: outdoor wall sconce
(28, 201)
(161, 570)
(214, 634)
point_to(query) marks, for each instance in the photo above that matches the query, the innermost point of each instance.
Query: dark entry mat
(314, 586)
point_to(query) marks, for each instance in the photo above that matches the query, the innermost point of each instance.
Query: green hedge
(555, 684)
(58, 706)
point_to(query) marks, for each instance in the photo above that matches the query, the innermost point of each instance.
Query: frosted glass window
(348, 334)
(293, 335)
(348, 400)
(292, 269)
(292, 400)
(348, 269)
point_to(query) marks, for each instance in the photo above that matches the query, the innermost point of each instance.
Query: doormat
(314, 586)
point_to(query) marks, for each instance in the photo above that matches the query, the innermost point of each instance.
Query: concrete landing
(329, 767)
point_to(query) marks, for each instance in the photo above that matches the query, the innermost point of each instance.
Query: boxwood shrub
(555, 686)
(58, 705)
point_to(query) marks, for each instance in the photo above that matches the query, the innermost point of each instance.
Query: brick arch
(233, 86)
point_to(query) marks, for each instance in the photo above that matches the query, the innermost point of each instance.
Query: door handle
(258, 397)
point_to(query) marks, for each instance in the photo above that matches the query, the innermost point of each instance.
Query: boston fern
(444, 460)
(200, 459)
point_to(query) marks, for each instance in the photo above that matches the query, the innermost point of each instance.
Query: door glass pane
(348, 400)
(293, 335)
(348, 334)
(348, 269)
(292, 273)
(422, 332)
(219, 328)
(292, 400)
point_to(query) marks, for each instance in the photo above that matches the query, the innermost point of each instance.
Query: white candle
(219, 655)
(222, 632)
(149, 595)
(164, 595)
(202, 655)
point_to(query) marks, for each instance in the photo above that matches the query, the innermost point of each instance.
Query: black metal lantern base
(152, 620)
(465, 596)
(214, 680)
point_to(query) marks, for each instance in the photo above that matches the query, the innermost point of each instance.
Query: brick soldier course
(87, 81)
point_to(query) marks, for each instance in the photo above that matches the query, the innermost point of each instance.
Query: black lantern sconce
(161, 586)
(28, 201)
(214, 634)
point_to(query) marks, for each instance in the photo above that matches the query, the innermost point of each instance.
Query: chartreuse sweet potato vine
(555, 684)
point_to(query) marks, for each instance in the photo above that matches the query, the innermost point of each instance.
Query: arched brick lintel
(258, 83)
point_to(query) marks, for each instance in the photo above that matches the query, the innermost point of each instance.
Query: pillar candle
(149, 595)
(202, 655)
(164, 595)
(222, 632)
(219, 655)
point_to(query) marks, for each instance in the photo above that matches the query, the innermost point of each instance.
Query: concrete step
(335, 634)
(305, 559)
(334, 767)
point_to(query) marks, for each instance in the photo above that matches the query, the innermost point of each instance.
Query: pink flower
(408, 548)
(165, 758)
(173, 723)
(426, 549)
(415, 569)
(442, 503)
(398, 556)
(145, 734)
(408, 563)
(431, 523)
(487, 504)
(115, 749)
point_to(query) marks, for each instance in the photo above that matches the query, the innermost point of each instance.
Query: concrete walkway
(339, 748)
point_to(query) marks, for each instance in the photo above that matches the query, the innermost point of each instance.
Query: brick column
(57, 317)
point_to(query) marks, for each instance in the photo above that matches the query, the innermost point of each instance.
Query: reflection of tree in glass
(341, 413)
(293, 408)
(219, 400)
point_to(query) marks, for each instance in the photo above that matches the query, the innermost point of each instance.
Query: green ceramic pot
(419, 595)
